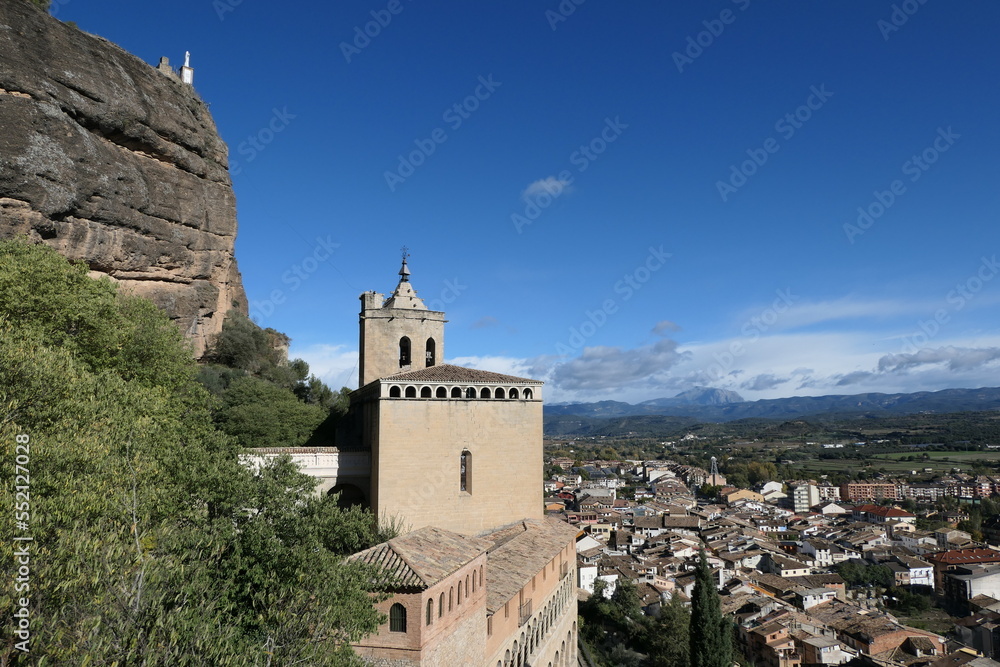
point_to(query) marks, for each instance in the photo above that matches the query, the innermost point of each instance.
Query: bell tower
(398, 334)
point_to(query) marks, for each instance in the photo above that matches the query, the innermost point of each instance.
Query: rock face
(115, 164)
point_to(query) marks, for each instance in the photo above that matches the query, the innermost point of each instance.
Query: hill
(708, 405)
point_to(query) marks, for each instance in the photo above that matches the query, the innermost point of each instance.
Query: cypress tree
(711, 636)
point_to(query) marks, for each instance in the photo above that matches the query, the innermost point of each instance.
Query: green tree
(669, 645)
(258, 413)
(707, 490)
(155, 546)
(242, 344)
(711, 635)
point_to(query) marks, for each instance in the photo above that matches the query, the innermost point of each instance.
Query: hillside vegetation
(150, 543)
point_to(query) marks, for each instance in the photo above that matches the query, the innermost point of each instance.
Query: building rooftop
(422, 558)
(519, 552)
(964, 556)
(450, 373)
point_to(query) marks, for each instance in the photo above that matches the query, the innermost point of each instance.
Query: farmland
(897, 463)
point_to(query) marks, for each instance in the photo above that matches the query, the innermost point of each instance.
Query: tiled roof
(882, 511)
(424, 557)
(519, 552)
(960, 556)
(294, 450)
(450, 373)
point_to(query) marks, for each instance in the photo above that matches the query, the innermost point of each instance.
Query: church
(453, 456)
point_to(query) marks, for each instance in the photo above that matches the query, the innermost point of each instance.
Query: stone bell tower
(398, 334)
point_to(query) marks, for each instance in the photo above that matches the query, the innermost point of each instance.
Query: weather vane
(406, 252)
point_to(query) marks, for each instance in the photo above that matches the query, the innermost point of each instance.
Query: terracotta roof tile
(450, 373)
(520, 552)
(959, 556)
(424, 557)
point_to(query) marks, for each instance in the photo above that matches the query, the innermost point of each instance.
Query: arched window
(441, 605)
(460, 592)
(527, 394)
(451, 595)
(456, 392)
(397, 618)
(431, 352)
(411, 392)
(425, 392)
(513, 393)
(441, 392)
(466, 585)
(498, 393)
(484, 392)
(404, 351)
(465, 482)
(470, 392)
(473, 581)
(394, 392)
(430, 611)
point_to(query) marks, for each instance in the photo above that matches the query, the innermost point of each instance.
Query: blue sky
(624, 200)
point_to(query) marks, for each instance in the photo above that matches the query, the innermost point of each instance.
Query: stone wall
(456, 634)
(416, 454)
(381, 331)
(551, 629)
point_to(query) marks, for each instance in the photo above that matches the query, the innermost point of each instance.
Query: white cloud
(954, 358)
(763, 382)
(775, 366)
(485, 322)
(614, 368)
(665, 327)
(335, 365)
(549, 185)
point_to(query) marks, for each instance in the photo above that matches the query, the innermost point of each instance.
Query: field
(938, 461)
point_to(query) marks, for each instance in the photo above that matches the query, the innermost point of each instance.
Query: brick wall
(550, 629)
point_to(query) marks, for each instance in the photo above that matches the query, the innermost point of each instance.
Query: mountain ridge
(711, 405)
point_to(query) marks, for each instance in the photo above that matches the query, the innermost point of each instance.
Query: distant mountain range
(718, 405)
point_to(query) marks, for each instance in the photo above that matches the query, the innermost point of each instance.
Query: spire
(404, 271)
(405, 296)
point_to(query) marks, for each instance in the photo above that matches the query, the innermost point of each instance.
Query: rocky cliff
(113, 163)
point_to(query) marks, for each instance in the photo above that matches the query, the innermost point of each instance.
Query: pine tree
(711, 636)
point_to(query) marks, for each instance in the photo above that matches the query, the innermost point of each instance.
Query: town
(812, 573)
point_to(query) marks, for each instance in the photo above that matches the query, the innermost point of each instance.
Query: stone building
(454, 455)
